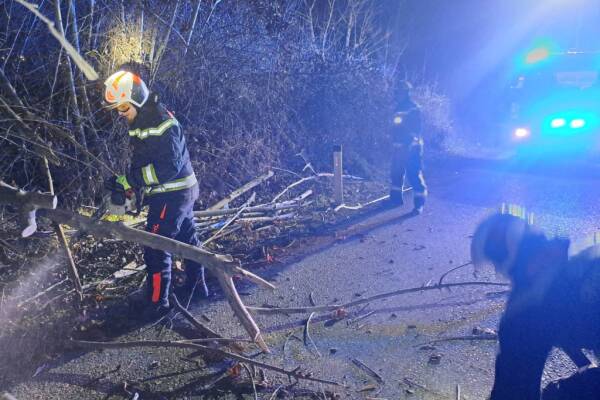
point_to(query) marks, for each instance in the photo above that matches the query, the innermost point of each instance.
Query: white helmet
(497, 240)
(125, 87)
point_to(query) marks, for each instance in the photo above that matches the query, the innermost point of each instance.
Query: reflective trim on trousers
(156, 280)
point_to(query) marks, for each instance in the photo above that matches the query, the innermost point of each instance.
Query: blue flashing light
(558, 123)
(577, 123)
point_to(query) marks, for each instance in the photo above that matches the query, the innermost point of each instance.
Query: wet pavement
(386, 252)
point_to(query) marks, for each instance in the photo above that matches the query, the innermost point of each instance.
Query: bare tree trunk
(90, 44)
(76, 111)
(326, 31)
(191, 32)
(163, 46)
(84, 95)
(142, 4)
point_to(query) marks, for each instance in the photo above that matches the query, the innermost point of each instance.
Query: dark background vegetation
(252, 82)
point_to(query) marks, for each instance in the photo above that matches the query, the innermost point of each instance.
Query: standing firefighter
(407, 158)
(160, 168)
(554, 302)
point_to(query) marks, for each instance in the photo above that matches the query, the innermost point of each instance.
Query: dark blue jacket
(160, 160)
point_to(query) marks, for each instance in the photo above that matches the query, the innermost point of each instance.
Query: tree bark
(76, 110)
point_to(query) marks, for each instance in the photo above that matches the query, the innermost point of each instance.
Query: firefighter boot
(419, 202)
(141, 306)
(396, 198)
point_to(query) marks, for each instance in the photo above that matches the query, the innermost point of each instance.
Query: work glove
(122, 196)
(122, 181)
(119, 188)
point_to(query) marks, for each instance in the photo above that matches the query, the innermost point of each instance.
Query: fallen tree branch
(458, 338)
(223, 234)
(223, 266)
(260, 208)
(369, 203)
(203, 329)
(240, 309)
(43, 292)
(203, 349)
(359, 205)
(302, 310)
(310, 178)
(307, 337)
(452, 270)
(230, 220)
(238, 192)
(281, 217)
(251, 376)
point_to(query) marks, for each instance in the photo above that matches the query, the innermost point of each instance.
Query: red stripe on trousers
(156, 287)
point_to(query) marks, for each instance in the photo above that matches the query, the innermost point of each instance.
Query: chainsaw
(118, 201)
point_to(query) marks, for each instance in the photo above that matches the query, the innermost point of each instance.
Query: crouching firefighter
(161, 168)
(407, 157)
(554, 302)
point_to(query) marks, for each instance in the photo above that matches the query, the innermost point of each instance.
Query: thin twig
(367, 369)
(458, 338)
(307, 334)
(452, 270)
(178, 344)
(230, 220)
(287, 339)
(275, 392)
(235, 194)
(302, 310)
(311, 299)
(252, 380)
(43, 292)
(360, 318)
(310, 178)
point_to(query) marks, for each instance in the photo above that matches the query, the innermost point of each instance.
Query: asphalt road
(386, 252)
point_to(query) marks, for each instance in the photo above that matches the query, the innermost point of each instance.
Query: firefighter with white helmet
(160, 168)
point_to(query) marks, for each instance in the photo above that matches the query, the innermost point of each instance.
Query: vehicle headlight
(577, 123)
(521, 133)
(558, 123)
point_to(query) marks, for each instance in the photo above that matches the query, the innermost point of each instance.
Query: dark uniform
(407, 158)
(161, 167)
(554, 302)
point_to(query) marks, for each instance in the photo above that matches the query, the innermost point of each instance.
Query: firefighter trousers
(171, 215)
(407, 161)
